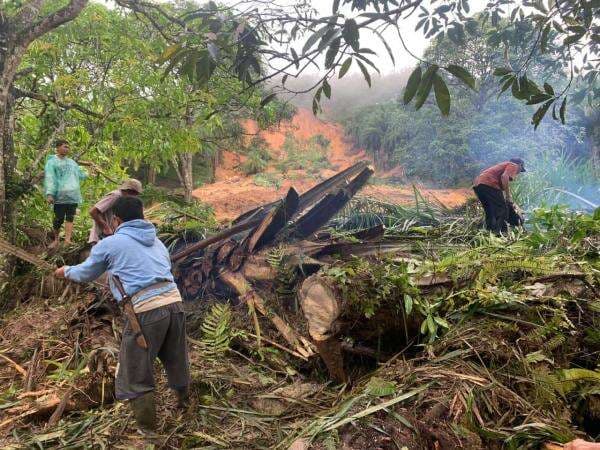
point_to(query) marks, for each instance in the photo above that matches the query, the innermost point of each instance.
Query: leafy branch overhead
(257, 44)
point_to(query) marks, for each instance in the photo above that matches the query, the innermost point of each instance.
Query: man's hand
(60, 272)
(107, 230)
(50, 199)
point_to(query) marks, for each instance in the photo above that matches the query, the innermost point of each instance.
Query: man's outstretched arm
(89, 270)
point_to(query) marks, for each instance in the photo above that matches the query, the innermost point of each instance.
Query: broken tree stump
(242, 287)
(329, 316)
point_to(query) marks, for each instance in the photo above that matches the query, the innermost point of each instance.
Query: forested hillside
(486, 126)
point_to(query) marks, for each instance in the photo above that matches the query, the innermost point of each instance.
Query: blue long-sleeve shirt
(135, 255)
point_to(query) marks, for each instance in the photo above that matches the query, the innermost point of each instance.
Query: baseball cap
(132, 185)
(520, 162)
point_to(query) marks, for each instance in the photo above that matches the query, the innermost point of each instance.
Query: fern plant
(217, 330)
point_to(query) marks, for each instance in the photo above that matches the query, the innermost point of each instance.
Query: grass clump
(266, 179)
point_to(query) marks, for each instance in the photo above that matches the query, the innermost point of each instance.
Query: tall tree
(20, 25)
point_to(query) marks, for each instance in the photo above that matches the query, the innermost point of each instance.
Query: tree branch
(50, 22)
(51, 99)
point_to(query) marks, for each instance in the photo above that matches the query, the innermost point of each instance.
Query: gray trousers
(164, 330)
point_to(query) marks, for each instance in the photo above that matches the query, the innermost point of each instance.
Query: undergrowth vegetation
(498, 348)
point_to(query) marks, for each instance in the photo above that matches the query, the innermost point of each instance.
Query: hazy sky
(414, 40)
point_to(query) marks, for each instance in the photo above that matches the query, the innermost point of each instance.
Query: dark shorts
(63, 212)
(164, 330)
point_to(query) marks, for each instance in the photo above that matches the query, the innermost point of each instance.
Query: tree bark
(151, 175)
(187, 175)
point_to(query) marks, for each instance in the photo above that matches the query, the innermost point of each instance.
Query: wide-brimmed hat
(132, 185)
(520, 162)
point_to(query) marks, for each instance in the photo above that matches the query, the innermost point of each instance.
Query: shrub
(267, 180)
(254, 164)
(309, 155)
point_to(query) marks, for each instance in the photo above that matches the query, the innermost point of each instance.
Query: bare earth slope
(234, 193)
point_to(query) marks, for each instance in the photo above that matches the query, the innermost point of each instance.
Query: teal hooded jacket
(62, 178)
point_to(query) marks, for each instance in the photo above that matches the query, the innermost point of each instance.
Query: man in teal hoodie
(141, 261)
(62, 178)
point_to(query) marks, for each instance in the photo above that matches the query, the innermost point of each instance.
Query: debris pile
(327, 321)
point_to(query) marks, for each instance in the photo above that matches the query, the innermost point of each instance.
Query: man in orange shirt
(493, 191)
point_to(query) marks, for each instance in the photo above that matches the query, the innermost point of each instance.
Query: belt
(142, 292)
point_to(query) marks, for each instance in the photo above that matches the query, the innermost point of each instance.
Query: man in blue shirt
(136, 255)
(62, 178)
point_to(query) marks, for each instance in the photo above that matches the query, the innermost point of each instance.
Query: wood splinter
(242, 287)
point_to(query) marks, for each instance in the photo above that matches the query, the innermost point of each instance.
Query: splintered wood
(232, 261)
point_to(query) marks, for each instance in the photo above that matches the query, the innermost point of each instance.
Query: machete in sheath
(130, 314)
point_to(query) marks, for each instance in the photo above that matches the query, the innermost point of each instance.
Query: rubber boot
(144, 411)
(183, 397)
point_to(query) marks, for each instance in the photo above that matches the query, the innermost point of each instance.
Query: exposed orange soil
(233, 193)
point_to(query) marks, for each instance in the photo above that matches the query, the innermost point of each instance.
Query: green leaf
(548, 89)
(332, 52)
(295, 56)
(267, 99)
(501, 71)
(508, 83)
(204, 68)
(326, 89)
(408, 304)
(315, 106)
(366, 60)
(345, 67)
(378, 387)
(571, 39)
(365, 72)
(431, 325)
(540, 113)
(544, 39)
(462, 74)
(387, 46)
(331, 34)
(538, 98)
(351, 34)
(577, 29)
(175, 60)
(425, 85)
(336, 6)
(312, 40)
(518, 90)
(562, 111)
(168, 53)
(442, 96)
(579, 375)
(441, 322)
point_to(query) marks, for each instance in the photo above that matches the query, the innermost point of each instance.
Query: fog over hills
(348, 94)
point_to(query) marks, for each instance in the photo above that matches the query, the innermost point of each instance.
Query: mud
(234, 193)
